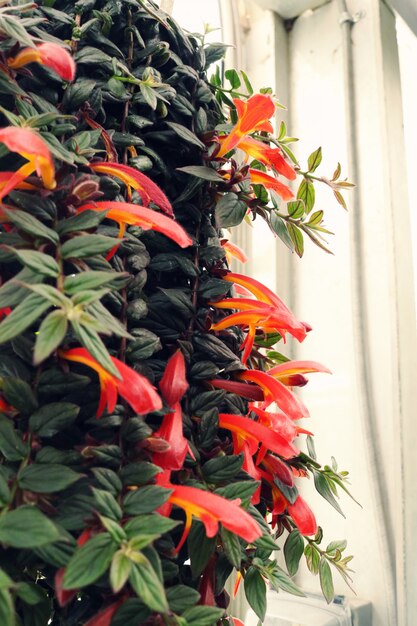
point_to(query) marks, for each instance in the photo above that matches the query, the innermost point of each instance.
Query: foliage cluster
(114, 185)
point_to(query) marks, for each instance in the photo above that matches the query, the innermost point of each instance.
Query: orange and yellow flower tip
(274, 391)
(49, 54)
(233, 251)
(253, 115)
(138, 392)
(291, 373)
(271, 157)
(269, 182)
(30, 145)
(126, 213)
(146, 188)
(255, 433)
(212, 509)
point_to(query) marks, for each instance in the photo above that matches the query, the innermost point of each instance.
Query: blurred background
(347, 73)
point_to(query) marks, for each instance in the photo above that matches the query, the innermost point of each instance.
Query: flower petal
(303, 516)
(272, 157)
(269, 182)
(174, 384)
(276, 392)
(50, 54)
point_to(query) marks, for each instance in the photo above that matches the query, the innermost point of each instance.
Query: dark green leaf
(32, 307)
(149, 524)
(19, 394)
(106, 504)
(15, 525)
(92, 342)
(89, 562)
(202, 615)
(87, 245)
(255, 591)
(50, 335)
(232, 547)
(90, 280)
(12, 446)
(81, 221)
(181, 597)
(30, 224)
(222, 468)
(293, 551)
(53, 417)
(325, 491)
(13, 27)
(44, 478)
(7, 612)
(140, 473)
(200, 548)
(147, 586)
(200, 171)
(145, 500)
(186, 135)
(131, 613)
(230, 210)
(38, 262)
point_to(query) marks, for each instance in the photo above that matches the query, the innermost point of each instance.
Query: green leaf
(5, 581)
(91, 280)
(232, 547)
(92, 342)
(131, 613)
(312, 558)
(81, 221)
(202, 615)
(87, 245)
(147, 585)
(37, 261)
(295, 209)
(293, 551)
(149, 524)
(13, 27)
(145, 500)
(26, 527)
(255, 591)
(323, 487)
(46, 478)
(19, 394)
(200, 171)
(120, 569)
(7, 612)
(181, 597)
(230, 210)
(242, 489)
(89, 562)
(106, 504)
(30, 593)
(184, 133)
(222, 468)
(200, 548)
(307, 194)
(12, 446)
(280, 580)
(326, 580)
(149, 96)
(139, 473)
(314, 160)
(338, 545)
(233, 77)
(50, 335)
(297, 238)
(52, 418)
(247, 82)
(30, 224)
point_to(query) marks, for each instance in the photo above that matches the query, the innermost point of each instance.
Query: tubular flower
(248, 391)
(302, 516)
(132, 386)
(126, 213)
(274, 391)
(173, 384)
(269, 182)
(280, 422)
(29, 144)
(52, 55)
(212, 509)
(232, 250)
(254, 114)
(146, 188)
(171, 431)
(291, 372)
(271, 157)
(254, 433)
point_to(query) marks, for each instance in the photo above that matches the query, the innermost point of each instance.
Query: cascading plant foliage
(141, 459)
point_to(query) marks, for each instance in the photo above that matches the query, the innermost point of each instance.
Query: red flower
(254, 114)
(280, 422)
(254, 433)
(302, 516)
(172, 432)
(146, 188)
(133, 387)
(30, 145)
(212, 509)
(52, 55)
(173, 384)
(291, 372)
(269, 182)
(126, 213)
(274, 391)
(104, 617)
(232, 250)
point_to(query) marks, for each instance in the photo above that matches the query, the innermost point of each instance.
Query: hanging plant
(149, 436)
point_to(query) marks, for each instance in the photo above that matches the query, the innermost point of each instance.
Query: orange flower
(52, 55)
(269, 182)
(146, 188)
(253, 115)
(232, 250)
(291, 372)
(30, 145)
(274, 391)
(126, 213)
(212, 509)
(133, 387)
(255, 434)
(271, 157)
